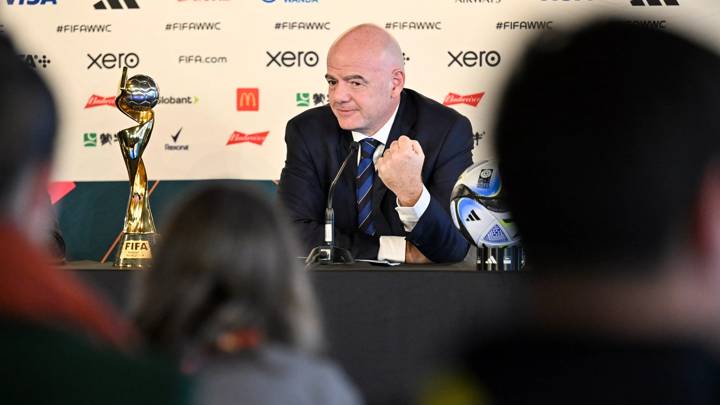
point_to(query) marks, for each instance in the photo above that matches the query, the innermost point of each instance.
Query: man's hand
(413, 255)
(400, 169)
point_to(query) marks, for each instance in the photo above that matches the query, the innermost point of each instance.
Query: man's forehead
(352, 69)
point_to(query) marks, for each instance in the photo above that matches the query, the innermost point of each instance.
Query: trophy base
(511, 258)
(135, 250)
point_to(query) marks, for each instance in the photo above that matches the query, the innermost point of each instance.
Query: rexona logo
(175, 146)
(240, 137)
(654, 2)
(474, 58)
(292, 58)
(35, 61)
(98, 101)
(470, 99)
(248, 99)
(115, 4)
(113, 60)
(31, 2)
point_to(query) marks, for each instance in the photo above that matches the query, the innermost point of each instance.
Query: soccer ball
(478, 210)
(141, 93)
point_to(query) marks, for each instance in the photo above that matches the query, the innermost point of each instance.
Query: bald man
(392, 203)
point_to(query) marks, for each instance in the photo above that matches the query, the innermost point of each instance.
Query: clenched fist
(400, 169)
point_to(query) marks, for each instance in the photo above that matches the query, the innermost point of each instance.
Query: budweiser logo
(470, 99)
(97, 101)
(239, 137)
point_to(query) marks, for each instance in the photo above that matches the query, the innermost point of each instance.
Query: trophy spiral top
(141, 92)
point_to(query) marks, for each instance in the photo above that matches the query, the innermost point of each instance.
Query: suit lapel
(404, 121)
(346, 183)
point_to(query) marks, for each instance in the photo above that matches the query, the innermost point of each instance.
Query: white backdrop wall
(200, 52)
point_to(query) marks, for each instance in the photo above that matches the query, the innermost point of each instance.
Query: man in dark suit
(393, 201)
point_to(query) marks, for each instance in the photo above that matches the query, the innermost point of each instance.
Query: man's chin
(348, 125)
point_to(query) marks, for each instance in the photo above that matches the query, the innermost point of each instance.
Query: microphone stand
(328, 253)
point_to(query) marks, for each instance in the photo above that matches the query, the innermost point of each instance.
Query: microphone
(328, 253)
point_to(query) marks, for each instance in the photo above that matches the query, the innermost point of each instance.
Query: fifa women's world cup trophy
(138, 95)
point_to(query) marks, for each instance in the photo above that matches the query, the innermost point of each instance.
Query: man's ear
(398, 82)
(706, 221)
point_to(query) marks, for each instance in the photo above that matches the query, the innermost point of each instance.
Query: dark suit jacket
(316, 147)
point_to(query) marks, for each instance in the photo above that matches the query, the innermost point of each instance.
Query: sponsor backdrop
(232, 72)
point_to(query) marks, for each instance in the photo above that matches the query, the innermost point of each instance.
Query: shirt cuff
(392, 248)
(410, 216)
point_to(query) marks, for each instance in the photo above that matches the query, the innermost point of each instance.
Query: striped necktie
(364, 181)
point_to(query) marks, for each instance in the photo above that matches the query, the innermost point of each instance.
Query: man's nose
(340, 93)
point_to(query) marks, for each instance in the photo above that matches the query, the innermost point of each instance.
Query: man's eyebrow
(354, 77)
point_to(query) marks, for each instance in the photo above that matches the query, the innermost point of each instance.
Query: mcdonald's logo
(248, 99)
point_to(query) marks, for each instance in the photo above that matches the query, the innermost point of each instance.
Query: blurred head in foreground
(27, 137)
(608, 139)
(226, 279)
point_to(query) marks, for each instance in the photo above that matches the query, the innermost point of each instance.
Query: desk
(387, 327)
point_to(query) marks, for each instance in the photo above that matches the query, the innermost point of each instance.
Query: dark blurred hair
(27, 119)
(226, 263)
(604, 136)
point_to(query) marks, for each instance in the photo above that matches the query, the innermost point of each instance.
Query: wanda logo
(470, 99)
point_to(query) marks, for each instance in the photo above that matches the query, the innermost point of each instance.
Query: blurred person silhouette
(228, 297)
(59, 343)
(608, 139)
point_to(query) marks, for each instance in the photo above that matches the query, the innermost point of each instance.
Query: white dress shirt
(392, 248)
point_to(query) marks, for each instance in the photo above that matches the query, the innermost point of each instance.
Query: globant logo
(179, 100)
(35, 61)
(471, 99)
(31, 2)
(240, 137)
(98, 101)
